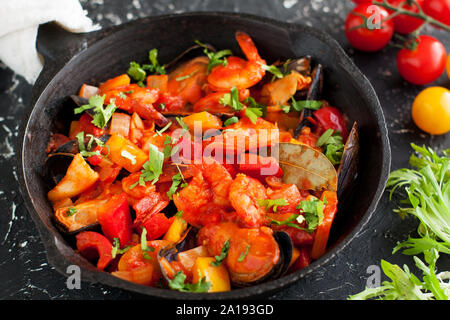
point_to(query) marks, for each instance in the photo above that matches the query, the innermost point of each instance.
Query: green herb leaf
(144, 247)
(305, 104)
(230, 121)
(71, 211)
(116, 248)
(273, 70)
(253, 114)
(215, 58)
(232, 100)
(95, 102)
(223, 254)
(288, 222)
(272, 203)
(313, 213)
(155, 66)
(176, 181)
(179, 214)
(244, 254)
(152, 168)
(186, 76)
(178, 283)
(332, 145)
(136, 72)
(183, 125)
(251, 102)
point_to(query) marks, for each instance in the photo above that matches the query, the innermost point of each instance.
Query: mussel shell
(63, 228)
(185, 55)
(280, 268)
(314, 93)
(68, 147)
(316, 88)
(301, 65)
(55, 167)
(348, 168)
(171, 251)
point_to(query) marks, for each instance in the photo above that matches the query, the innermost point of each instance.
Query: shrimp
(219, 180)
(244, 195)
(211, 102)
(238, 72)
(187, 80)
(262, 253)
(205, 199)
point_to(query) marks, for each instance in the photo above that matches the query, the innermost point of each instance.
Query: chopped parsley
(178, 283)
(272, 203)
(244, 254)
(277, 74)
(232, 100)
(176, 182)
(71, 211)
(159, 132)
(144, 247)
(312, 213)
(288, 222)
(223, 254)
(101, 114)
(230, 121)
(332, 145)
(305, 104)
(82, 147)
(152, 168)
(179, 214)
(253, 114)
(182, 124)
(186, 76)
(251, 102)
(215, 58)
(116, 248)
(169, 149)
(139, 72)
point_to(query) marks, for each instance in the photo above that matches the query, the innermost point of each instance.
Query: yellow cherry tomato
(431, 110)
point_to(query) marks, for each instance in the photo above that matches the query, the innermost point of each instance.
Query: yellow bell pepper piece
(217, 276)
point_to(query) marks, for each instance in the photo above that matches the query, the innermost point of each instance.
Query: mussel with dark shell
(348, 168)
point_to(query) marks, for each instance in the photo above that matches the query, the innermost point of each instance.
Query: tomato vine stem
(420, 14)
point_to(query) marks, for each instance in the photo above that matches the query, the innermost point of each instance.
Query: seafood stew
(203, 174)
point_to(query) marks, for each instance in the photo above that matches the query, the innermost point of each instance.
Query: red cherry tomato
(331, 118)
(362, 1)
(403, 23)
(424, 64)
(364, 39)
(438, 9)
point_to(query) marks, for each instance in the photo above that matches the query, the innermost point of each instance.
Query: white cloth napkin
(19, 23)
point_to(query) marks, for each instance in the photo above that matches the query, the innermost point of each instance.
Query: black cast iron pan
(73, 59)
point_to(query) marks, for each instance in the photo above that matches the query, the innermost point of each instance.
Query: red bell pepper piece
(170, 102)
(156, 225)
(303, 260)
(331, 118)
(323, 230)
(259, 166)
(92, 244)
(96, 159)
(115, 219)
(85, 125)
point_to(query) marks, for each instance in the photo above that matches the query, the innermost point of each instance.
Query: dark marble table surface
(24, 270)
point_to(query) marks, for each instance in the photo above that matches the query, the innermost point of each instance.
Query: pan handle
(57, 46)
